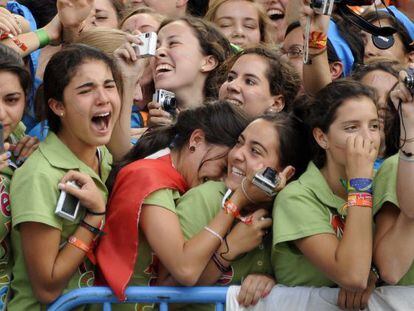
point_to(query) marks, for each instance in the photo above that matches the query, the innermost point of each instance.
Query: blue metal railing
(142, 294)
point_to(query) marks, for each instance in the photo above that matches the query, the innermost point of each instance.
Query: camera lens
(147, 35)
(169, 104)
(409, 82)
(269, 174)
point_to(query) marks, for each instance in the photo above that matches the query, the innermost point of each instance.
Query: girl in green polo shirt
(322, 227)
(393, 195)
(81, 104)
(270, 141)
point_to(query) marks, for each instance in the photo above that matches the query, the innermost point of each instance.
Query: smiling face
(178, 64)
(247, 85)
(141, 22)
(12, 102)
(256, 148)
(91, 105)
(355, 116)
(276, 10)
(239, 22)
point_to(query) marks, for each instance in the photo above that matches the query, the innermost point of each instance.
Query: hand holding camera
(264, 185)
(79, 188)
(163, 108)
(148, 45)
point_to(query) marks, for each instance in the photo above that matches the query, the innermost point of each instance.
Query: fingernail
(61, 186)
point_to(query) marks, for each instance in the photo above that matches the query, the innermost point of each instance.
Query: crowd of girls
(169, 198)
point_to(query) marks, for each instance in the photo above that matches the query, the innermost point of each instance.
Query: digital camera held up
(148, 46)
(267, 181)
(167, 100)
(409, 80)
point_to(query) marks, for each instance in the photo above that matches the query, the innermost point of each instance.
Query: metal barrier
(142, 294)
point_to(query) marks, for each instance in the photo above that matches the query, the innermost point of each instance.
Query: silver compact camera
(409, 80)
(267, 181)
(68, 205)
(166, 99)
(148, 46)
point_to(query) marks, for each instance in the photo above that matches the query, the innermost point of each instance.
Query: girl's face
(141, 22)
(247, 85)
(12, 102)
(276, 10)
(103, 15)
(396, 52)
(91, 104)
(179, 62)
(256, 148)
(356, 116)
(239, 22)
(207, 162)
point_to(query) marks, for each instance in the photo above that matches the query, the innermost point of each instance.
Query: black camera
(409, 80)
(167, 100)
(267, 181)
(325, 7)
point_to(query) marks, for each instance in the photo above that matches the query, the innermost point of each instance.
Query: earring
(192, 148)
(62, 114)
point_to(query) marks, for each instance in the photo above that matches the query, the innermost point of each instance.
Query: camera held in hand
(68, 205)
(325, 7)
(409, 80)
(267, 181)
(167, 100)
(148, 46)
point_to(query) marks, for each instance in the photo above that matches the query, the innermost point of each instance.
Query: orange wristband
(361, 199)
(231, 208)
(79, 244)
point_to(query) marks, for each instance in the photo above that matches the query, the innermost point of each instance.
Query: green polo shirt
(5, 217)
(195, 209)
(146, 265)
(34, 195)
(306, 207)
(385, 190)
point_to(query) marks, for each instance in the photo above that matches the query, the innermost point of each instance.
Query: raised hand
(88, 193)
(72, 13)
(360, 157)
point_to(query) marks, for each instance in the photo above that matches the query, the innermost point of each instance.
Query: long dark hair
(294, 145)
(321, 112)
(220, 121)
(59, 72)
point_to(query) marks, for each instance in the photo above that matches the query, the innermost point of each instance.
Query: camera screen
(69, 205)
